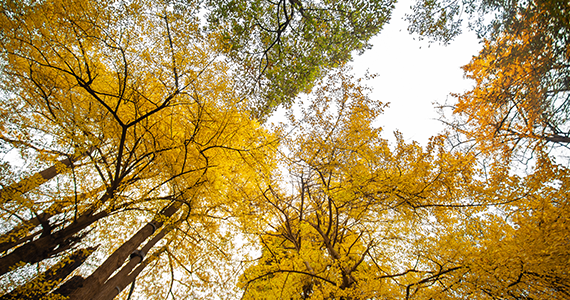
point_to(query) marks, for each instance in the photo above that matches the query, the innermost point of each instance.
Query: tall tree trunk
(124, 281)
(20, 234)
(69, 286)
(117, 283)
(44, 283)
(95, 281)
(50, 244)
(25, 185)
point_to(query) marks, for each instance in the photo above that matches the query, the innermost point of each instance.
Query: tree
(365, 221)
(521, 92)
(519, 102)
(134, 91)
(282, 47)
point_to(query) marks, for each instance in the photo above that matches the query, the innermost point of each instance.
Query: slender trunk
(93, 283)
(44, 283)
(20, 234)
(124, 281)
(113, 286)
(69, 286)
(48, 245)
(25, 185)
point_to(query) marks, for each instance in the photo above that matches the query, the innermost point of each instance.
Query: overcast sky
(413, 75)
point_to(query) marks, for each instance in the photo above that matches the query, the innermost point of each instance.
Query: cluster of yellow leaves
(357, 221)
(519, 250)
(520, 96)
(136, 91)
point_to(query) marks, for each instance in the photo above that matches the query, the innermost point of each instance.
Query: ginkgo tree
(521, 92)
(367, 221)
(519, 102)
(521, 74)
(133, 96)
(130, 119)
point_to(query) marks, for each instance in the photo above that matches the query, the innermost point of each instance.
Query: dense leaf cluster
(141, 157)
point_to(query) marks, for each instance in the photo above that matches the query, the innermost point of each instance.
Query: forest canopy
(140, 162)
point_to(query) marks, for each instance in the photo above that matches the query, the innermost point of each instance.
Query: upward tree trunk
(124, 281)
(27, 184)
(48, 245)
(117, 283)
(43, 284)
(20, 234)
(92, 284)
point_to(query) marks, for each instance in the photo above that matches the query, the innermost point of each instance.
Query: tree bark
(70, 285)
(117, 283)
(43, 284)
(48, 245)
(27, 184)
(19, 234)
(95, 281)
(124, 281)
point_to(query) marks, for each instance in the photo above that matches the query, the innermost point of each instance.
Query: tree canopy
(289, 44)
(134, 97)
(521, 93)
(366, 221)
(144, 164)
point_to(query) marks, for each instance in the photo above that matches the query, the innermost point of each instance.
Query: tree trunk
(69, 286)
(113, 286)
(48, 245)
(95, 281)
(124, 281)
(20, 234)
(27, 184)
(43, 284)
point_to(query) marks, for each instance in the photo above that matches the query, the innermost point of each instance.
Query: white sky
(413, 75)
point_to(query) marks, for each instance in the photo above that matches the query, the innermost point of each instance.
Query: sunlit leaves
(137, 94)
(520, 99)
(362, 218)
